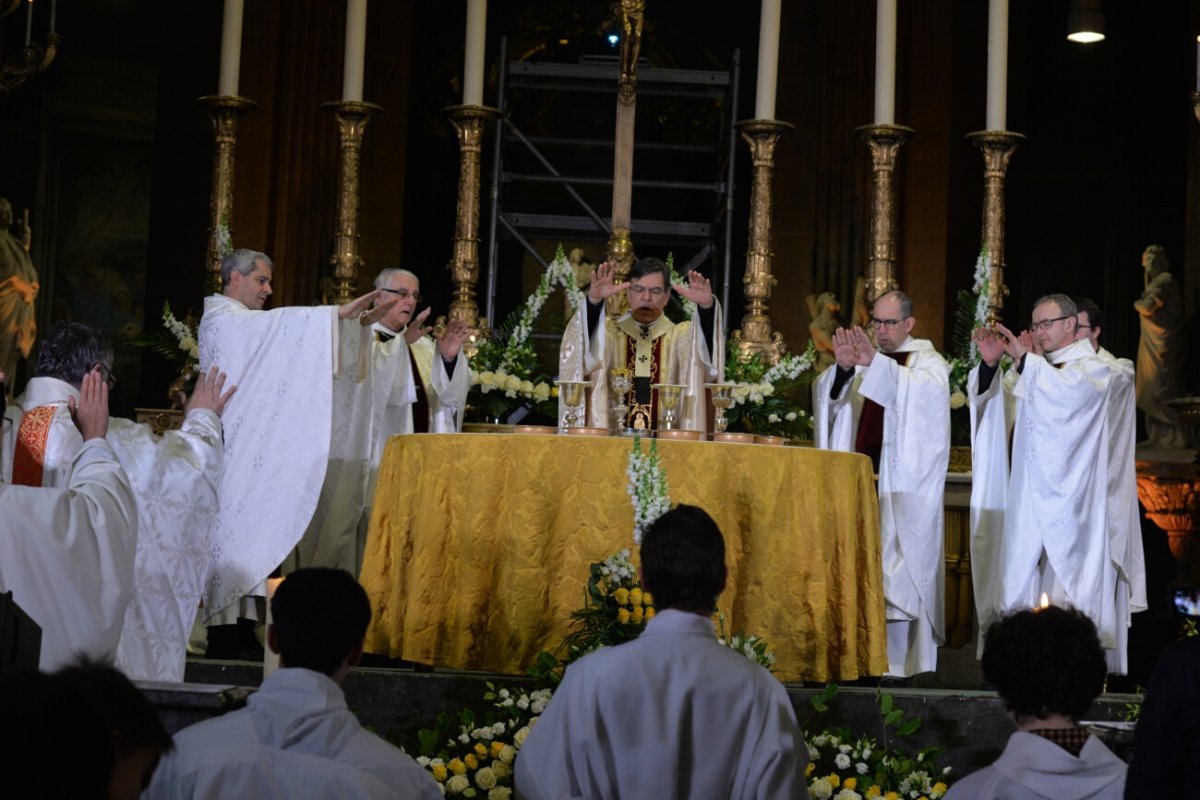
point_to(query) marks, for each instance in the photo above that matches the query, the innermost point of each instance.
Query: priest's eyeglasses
(653, 291)
(1044, 325)
(105, 373)
(404, 294)
(886, 324)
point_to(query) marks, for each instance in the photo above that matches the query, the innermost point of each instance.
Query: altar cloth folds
(479, 546)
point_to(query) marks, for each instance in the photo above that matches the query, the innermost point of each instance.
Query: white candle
(997, 64)
(885, 62)
(270, 657)
(356, 50)
(53, 13)
(231, 48)
(1198, 63)
(29, 23)
(475, 47)
(768, 59)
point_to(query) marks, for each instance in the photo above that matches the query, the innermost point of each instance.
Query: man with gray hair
(890, 400)
(1042, 521)
(174, 478)
(301, 376)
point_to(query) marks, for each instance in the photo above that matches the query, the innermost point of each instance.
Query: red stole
(30, 457)
(869, 440)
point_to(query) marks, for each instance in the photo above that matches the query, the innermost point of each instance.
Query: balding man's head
(892, 319)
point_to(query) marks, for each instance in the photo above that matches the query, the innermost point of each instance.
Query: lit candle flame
(1044, 602)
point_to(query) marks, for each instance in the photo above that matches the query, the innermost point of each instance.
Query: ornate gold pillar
(224, 111)
(352, 118)
(632, 15)
(755, 334)
(884, 141)
(997, 148)
(469, 122)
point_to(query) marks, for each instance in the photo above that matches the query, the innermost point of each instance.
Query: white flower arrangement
(689, 308)
(184, 335)
(558, 273)
(511, 385)
(224, 238)
(648, 490)
(619, 570)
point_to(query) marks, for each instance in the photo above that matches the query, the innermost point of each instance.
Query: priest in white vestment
(67, 553)
(893, 404)
(1048, 667)
(286, 428)
(645, 341)
(673, 713)
(174, 477)
(1046, 524)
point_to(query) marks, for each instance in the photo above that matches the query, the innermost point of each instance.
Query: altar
(479, 546)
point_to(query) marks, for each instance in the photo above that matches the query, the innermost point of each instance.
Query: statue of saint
(18, 289)
(1161, 351)
(824, 309)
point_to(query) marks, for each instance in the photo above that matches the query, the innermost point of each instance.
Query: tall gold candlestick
(997, 148)
(224, 110)
(352, 118)
(881, 272)
(469, 122)
(755, 335)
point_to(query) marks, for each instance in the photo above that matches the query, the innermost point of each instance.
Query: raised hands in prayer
(417, 327)
(451, 341)
(603, 286)
(698, 289)
(208, 392)
(367, 314)
(852, 347)
(90, 414)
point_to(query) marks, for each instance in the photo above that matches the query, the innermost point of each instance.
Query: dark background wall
(112, 154)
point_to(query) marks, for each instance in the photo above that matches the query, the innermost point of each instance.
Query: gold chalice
(572, 394)
(669, 395)
(722, 399)
(620, 380)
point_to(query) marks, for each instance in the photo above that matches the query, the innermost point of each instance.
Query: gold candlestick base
(352, 118)
(755, 334)
(469, 122)
(30, 61)
(997, 148)
(224, 110)
(885, 142)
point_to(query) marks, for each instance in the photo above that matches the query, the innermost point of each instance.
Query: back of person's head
(136, 734)
(1086, 305)
(69, 351)
(320, 616)
(1045, 661)
(53, 741)
(683, 560)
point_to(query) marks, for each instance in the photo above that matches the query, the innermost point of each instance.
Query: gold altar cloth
(479, 546)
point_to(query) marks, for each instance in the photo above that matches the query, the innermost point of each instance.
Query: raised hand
(451, 341)
(1029, 343)
(1013, 345)
(843, 348)
(698, 289)
(417, 328)
(208, 392)
(864, 351)
(991, 347)
(358, 305)
(90, 414)
(603, 285)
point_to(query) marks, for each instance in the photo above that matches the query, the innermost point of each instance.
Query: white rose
(464, 737)
(842, 761)
(958, 400)
(861, 768)
(847, 794)
(485, 778)
(508, 753)
(456, 784)
(501, 769)
(500, 793)
(498, 727)
(772, 418)
(520, 736)
(820, 788)
(423, 761)
(527, 387)
(790, 416)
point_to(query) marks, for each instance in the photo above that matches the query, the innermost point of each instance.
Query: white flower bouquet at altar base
(647, 489)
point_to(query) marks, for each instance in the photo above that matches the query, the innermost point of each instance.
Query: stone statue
(1161, 351)
(824, 309)
(18, 289)
(862, 315)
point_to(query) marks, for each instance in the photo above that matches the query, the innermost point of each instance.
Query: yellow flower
(439, 772)
(497, 746)
(647, 599)
(834, 780)
(622, 596)
(649, 614)
(471, 761)
(638, 613)
(809, 769)
(850, 783)
(635, 596)
(938, 790)
(872, 791)
(891, 796)
(623, 616)
(457, 766)
(481, 748)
